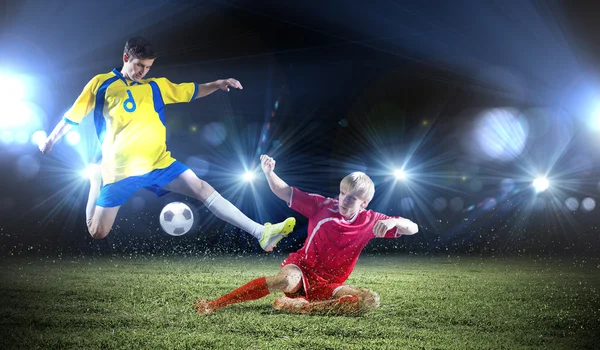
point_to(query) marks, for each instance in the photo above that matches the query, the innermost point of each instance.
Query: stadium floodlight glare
(248, 176)
(400, 174)
(21, 137)
(73, 137)
(38, 137)
(87, 172)
(7, 136)
(12, 88)
(541, 184)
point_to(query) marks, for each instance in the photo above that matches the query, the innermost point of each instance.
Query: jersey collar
(117, 72)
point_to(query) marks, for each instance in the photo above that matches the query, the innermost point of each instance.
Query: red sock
(252, 290)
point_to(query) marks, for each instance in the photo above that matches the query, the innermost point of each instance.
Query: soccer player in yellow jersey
(129, 115)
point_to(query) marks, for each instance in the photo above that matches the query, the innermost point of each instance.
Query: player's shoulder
(372, 214)
(103, 76)
(158, 80)
(296, 190)
(97, 80)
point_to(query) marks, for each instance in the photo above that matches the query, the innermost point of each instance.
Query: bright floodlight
(73, 137)
(400, 174)
(87, 172)
(7, 136)
(16, 114)
(248, 176)
(38, 137)
(12, 88)
(541, 184)
(21, 137)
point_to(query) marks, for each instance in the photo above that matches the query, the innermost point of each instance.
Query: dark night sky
(356, 84)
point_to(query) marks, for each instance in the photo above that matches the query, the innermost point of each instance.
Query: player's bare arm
(222, 84)
(59, 131)
(281, 189)
(404, 226)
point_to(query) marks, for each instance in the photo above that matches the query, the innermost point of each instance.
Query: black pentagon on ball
(178, 231)
(187, 214)
(168, 215)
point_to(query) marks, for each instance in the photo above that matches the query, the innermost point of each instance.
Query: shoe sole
(288, 226)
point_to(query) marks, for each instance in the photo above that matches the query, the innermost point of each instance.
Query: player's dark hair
(139, 47)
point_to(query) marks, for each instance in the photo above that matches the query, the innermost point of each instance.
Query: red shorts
(314, 287)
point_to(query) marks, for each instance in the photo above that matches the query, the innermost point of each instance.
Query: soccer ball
(176, 218)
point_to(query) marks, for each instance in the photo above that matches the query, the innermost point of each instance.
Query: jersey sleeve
(176, 93)
(84, 103)
(393, 233)
(305, 203)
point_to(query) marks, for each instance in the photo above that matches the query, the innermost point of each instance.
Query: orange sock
(252, 290)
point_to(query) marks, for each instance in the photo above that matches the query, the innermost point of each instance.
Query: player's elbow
(414, 228)
(409, 228)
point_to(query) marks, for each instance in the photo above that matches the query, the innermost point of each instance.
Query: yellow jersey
(130, 121)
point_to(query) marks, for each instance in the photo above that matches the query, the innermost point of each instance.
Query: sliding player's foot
(272, 234)
(296, 305)
(203, 307)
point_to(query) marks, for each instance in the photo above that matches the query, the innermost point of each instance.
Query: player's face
(136, 68)
(349, 203)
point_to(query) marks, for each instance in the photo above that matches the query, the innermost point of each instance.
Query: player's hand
(267, 163)
(45, 146)
(225, 84)
(383, 226)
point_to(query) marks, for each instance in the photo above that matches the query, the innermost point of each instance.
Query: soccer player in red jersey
(338, 229)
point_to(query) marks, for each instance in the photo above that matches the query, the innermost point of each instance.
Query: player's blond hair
(359, 183)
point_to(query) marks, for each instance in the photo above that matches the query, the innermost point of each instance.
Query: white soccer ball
(176, 218)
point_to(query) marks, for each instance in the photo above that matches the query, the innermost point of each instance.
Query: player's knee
(201, 190)
(369, 301)
(280, 283)
(97, 231)
(274, 283)
(290, 286)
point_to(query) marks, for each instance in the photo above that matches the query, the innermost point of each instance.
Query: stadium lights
(541, 184)
(400, 174)
(73, 137)
(7, 136)
(38, 137)
(248, 176)
(12, 88)
(87, 172)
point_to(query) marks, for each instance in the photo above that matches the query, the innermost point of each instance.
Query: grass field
(426, 303)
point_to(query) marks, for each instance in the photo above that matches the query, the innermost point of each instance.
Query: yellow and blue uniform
(131, 127)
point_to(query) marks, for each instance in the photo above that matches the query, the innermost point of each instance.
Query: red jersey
(333, 243)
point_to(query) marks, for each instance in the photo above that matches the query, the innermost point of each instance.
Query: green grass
(426, 303)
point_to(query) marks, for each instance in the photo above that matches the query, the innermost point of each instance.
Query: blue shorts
(117, 193)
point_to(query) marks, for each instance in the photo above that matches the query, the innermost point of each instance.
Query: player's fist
(382, 226)
(45, 145)
(267, 163)
(225, 84)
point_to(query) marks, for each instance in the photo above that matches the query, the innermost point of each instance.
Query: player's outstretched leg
(99, 219)
(102, 221)
(95, 174)
(348, 301)
(268, 235)
(288, 280)
(252, 290)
